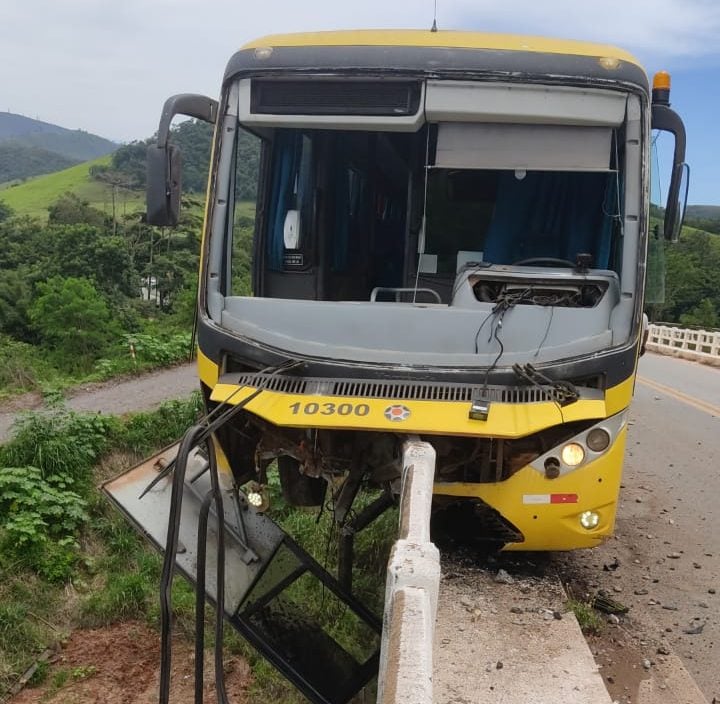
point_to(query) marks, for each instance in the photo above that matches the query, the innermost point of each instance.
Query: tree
(89, 252)
(69, 209)
(15, 296)
(194, 139)
(6, 211)
(73, 317)
(703, 315)
(692, 266)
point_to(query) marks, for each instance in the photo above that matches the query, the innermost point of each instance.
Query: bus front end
(439, 235)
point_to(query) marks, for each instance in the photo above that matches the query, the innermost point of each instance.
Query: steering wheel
(545, 261)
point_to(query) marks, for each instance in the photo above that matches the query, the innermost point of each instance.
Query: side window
(246, 174)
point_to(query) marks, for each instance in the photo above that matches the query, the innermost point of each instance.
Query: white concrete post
(411, 590)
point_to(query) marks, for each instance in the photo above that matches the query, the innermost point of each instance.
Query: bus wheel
(298, 489)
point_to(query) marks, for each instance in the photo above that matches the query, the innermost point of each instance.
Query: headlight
(572, 454)
(598, 439)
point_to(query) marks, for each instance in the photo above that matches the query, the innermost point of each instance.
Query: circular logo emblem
(397, 413)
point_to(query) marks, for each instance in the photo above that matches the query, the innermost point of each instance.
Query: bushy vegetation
(58, 533)
(59, 536)
(91, 293)
(693, 286)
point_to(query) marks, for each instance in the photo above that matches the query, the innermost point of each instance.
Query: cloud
(107, 66)
(654, 29)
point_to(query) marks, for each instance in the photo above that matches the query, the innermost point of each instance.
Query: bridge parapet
(697, 345)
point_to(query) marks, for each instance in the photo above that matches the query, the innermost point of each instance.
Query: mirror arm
(190, 104)
(666, 119)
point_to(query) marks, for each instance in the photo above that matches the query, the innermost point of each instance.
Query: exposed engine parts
(540, 293)
(308, 460)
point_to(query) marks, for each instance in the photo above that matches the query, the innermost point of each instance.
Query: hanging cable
(547, 330)
(214, 495)
(223, 413)
(171, 546)
(196, 436)
(189, 442)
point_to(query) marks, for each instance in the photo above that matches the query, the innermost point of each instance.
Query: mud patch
(120, 664)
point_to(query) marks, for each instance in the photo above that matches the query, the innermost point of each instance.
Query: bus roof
(445, 54)
(444, 39)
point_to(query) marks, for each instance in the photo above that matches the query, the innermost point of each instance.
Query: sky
(106, 66)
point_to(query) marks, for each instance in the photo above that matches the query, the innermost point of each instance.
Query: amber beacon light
(661, 88)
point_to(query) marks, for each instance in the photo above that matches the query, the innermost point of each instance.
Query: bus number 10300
(330, 409)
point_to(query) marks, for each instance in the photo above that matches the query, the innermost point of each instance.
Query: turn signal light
(598, 439)
(661, 81)
(661, 88)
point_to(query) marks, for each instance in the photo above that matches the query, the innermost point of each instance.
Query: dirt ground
(120, 665)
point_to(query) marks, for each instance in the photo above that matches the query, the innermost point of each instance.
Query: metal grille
(283, 384)
(348, 97)
(393, 390)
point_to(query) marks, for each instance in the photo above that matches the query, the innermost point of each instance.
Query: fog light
(589, 520)
(598, 439)
(258, 498)
(572, 454)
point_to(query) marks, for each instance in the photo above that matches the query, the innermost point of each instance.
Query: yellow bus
(448, 236)
(445, 235)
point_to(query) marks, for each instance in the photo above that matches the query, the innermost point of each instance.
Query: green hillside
(72, 144)
(19, 161)
(32, 147)
(34, 196)
(703, 212)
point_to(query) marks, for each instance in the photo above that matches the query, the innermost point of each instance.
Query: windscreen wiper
(564, 392)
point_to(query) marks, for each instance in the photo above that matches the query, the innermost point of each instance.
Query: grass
(112, 574)
(23, 368)
(28, 607)
(33, 196)
(115, 575)
(589, 619)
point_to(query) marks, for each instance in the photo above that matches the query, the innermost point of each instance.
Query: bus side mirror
(163, 185)
(164, 173)
(667, 120)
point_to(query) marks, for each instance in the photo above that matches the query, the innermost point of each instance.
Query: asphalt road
(667, 535)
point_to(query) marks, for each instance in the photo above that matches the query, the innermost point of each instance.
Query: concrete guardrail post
(411, 591)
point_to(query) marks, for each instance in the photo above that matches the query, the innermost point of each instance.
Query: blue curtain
(286, 160)
(552, 214)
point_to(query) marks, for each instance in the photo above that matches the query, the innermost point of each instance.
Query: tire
(298, 489)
